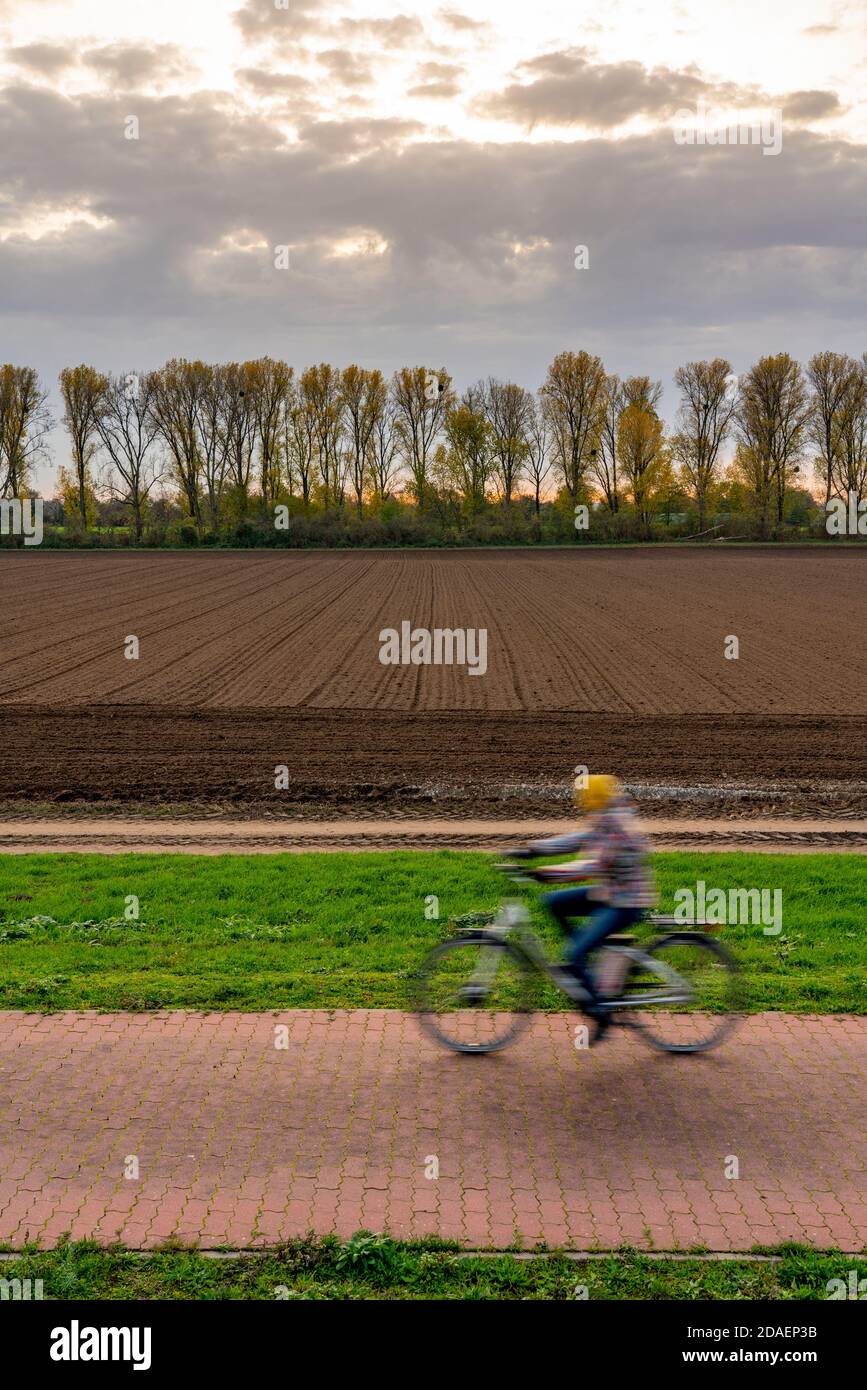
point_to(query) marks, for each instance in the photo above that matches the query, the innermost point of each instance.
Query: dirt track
(126, 836)
(610, 658)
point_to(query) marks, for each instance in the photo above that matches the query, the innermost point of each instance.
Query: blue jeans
(567, 903)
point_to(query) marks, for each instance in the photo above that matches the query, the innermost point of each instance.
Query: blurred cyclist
(614, 860)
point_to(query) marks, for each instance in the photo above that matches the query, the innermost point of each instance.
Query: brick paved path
(243, 1143)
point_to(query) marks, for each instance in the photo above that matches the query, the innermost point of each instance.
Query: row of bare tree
(776, 414)
(220, 434)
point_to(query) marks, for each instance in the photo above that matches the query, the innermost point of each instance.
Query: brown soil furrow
(206, 636)
(140, 614)
(247, 645)
(637, 631)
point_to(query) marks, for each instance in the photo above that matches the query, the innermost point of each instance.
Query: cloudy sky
(431, 172)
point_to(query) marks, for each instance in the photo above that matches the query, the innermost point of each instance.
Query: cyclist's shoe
(602, 1020)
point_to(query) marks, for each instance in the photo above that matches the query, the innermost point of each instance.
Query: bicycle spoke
(685, 990)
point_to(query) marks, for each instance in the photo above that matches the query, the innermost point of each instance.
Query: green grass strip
(376, 1267)
(347, 930)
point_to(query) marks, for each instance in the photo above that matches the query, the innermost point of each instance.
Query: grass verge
(348, 930)
(375, 1267)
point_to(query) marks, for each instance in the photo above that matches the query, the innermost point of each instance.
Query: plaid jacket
(615, 855)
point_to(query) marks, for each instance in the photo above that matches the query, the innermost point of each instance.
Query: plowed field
(613, 657)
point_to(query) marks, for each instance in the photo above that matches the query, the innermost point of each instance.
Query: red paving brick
(241, 1143)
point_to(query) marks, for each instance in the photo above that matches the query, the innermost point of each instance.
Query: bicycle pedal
(473, 992)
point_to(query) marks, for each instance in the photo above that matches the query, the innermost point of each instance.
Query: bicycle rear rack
(661, 919)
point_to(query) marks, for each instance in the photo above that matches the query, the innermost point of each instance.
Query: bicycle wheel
(686, 992)
(473, 993)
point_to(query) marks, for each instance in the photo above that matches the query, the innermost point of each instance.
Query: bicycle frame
(512, 923)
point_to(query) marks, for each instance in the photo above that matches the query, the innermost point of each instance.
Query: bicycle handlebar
(516, 872)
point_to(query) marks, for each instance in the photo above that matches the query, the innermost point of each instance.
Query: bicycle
(682, 992)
